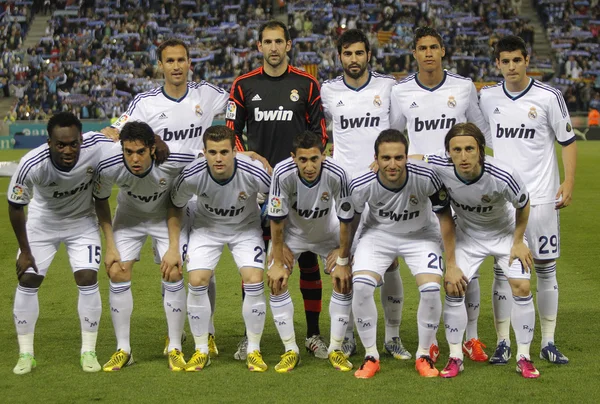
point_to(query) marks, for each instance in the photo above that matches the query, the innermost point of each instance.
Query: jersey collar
(315, 182)
(357, 89)
(395, 190)
(431, 89)
(178, 100)
(228, 180)
(469, 182)
(522, 92)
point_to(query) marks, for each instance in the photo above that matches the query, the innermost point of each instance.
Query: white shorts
(131, 232)
(421, 251)
(471, 252)
(543, 232)
(205, 248)
(81, 237)
(298, 246)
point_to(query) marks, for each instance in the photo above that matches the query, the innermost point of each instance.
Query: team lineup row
(524, 116)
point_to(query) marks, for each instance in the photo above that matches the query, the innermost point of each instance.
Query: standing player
(526, 117)
(55, 180)
(307, 191)
(399, 222)
(482, 190)
(141, 212)
(179, 112)
(358, 104)
(427, 104)
(274, 103)
(227, 185)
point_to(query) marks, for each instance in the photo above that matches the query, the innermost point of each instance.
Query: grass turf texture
(59, 378)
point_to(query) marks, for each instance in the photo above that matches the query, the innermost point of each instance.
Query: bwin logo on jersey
(520, 133)
(147, 198)
(362, 122)
(182, 134)
(315, 213)
(269, 115)
(396, 217)
(232, 211)
(478, 208)
(82, 187)
(434, 124)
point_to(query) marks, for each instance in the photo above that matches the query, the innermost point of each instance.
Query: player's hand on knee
(521, 252)
(342, 279)
(171, 262)
(455, 280)
(331, 259)
(24, 262)
(277, 277)
(113, 258)
(110, 133)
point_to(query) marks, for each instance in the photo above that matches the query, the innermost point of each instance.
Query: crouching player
(142, 205)
(482, 190)
(399, 222)
(308, 190)
(226, 185)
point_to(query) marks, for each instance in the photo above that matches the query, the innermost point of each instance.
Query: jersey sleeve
(358, 196)
(235, 114)
(438, 195)
(103, 182)
(278, 207)
(183, 190)
(220, 102)
(314, 113)
(475, 116)
(397, 117)
(343, 200)
(325, 102)
(135, 112)
(559, 119)
(515, 191)
(20, 189)
(178, 159)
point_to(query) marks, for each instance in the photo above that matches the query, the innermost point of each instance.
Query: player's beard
(355, 75)
(275, 65)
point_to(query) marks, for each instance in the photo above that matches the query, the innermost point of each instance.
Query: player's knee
(198, 278)
(253, 276)
(86, 277)
(520, 287)
(31, 280)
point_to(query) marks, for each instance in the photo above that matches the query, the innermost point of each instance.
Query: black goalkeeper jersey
(274, 110)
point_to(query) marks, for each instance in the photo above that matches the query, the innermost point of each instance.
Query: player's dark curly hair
(510, 43)
(169, 43)
(351, 37)
(467, 129)
(307, 140)
(391, 136)
(133, 131)
(274, 24)
(63, 120)
(218, 133)
(422, 32)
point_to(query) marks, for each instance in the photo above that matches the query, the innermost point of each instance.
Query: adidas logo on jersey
(362, 122)
(414, 105)
(163, 116)
(520, 133)
(276, 115)
(256, 98)
(496, 111)
(204, 195)
(53, 184)
(340, 104)
(434, 124)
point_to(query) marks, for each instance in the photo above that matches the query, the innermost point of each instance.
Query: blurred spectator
(593, 117)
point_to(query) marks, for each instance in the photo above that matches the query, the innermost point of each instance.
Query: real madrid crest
(486, 199)
(162, 182)
(198, 110)
(532, 113)
(413, 200)
(294, 96)
(325, 197)
(242, 196)
(377, 101)
(451, 102)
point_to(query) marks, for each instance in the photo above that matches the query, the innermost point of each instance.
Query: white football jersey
(55, 195)
(404, 210)
(311, 208)
(181, 121)
(358, 116)
(429, 113)
(524, 129)
(144, 195)
(224, 207)
(485, 207)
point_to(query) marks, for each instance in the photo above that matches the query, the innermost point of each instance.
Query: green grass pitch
(59, 379)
